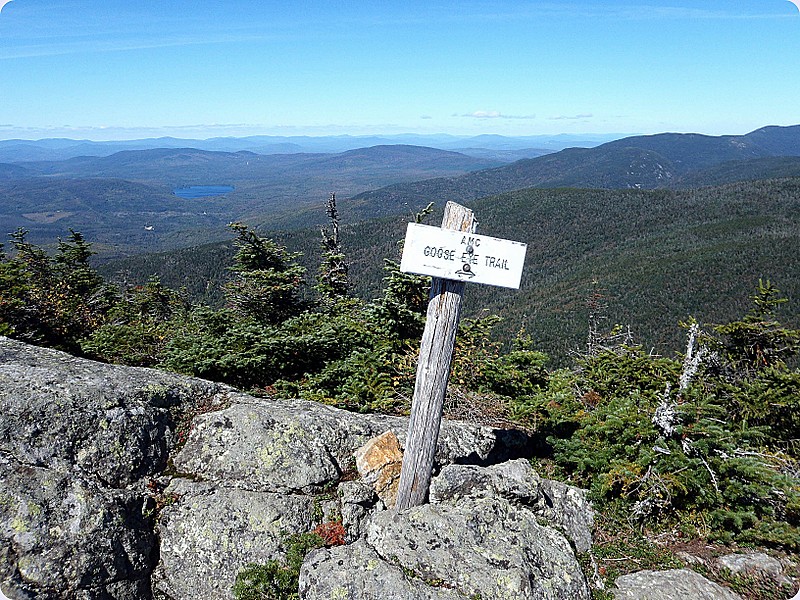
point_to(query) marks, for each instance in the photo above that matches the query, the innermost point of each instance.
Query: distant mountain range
(124, 201)
(493, 147)
(667, 160)
(174, 166)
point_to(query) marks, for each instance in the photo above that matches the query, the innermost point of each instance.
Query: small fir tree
(15, 290)
(332, 279)
(267, 280)
(53, 301)
(140, 325)
(758, 341)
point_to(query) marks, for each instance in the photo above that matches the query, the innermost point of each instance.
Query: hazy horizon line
(322, 135)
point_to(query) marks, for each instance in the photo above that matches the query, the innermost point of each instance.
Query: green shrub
(710, 452)
(51, 300)
(139, 326)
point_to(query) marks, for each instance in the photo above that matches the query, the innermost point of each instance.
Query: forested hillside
(772, 167)
(655, 257)
(124, 202)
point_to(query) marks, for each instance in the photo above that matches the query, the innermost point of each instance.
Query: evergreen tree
(15, 289)
(332, 279)
(400, 312)
(267, 280)
(758, 341)
(753, 376)
(139, 326)
(52, 301)
(71, 265)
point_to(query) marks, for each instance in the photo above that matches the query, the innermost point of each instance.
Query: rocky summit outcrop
(476, 547)
(132, 484)
(129, 483)
(79, 442)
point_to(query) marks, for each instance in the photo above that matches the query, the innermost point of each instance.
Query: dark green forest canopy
(657, 256)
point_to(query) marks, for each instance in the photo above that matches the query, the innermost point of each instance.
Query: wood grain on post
(433, 370)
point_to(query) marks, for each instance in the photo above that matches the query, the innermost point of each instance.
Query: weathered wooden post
(433, 369)
(452, 254)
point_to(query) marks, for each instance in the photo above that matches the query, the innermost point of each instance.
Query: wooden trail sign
(463, 257)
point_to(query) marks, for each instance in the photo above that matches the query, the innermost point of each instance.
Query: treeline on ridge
(657, 257)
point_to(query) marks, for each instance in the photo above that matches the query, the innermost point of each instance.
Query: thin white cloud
(71, 47)
(494, 114)
(571, 117)
(655, 12)
(484, 114)
(62, 31)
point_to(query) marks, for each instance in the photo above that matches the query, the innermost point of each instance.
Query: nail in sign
(449, 254)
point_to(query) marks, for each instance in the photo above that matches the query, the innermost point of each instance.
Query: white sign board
(450, 254)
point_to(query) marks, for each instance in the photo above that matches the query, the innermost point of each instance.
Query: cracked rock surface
(97, 501)
(78, 441)
(121, 483)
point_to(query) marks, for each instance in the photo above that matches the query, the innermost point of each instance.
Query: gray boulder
(357, 572)
(568, 509)
(78, 441)
(676, 584)
(756, 563)
(265, 447)
(64, 536)
(357, 501)
(209, 533)
(482, 546)
(112, 423)
(514, 480)
(564, 507)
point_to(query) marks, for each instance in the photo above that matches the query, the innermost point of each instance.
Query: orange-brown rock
(379, 462)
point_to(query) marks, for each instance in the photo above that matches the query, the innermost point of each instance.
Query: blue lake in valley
(202, 191)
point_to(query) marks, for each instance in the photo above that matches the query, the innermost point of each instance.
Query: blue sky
(107, 69)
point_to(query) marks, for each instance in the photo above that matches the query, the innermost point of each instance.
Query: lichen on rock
(132, 484)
